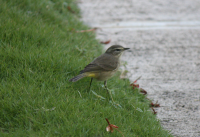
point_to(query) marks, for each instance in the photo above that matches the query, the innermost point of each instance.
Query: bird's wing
(104, 62)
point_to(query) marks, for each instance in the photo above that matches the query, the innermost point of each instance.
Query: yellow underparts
(93, 75)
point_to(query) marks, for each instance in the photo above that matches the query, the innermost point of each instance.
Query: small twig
(81, 31)
(137, 79)
(119, 131)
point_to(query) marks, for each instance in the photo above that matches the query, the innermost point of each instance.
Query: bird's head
(116, 50)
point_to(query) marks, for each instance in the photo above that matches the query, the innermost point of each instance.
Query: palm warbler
(103, 67)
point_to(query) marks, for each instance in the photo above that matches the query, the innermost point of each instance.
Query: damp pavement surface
(164, 37)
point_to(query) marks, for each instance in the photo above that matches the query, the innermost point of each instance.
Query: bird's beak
(126, 48)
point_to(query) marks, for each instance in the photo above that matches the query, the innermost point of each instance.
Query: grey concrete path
(164, 37)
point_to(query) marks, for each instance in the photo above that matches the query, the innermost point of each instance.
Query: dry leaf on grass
(134, 85)
(110, 127)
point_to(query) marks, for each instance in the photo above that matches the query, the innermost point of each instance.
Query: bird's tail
(78, 77)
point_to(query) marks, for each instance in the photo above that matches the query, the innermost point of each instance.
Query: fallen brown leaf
(105, 42)
(154, 112)
(134, 85)
(110, 127)
(144, 92)
(154, 105)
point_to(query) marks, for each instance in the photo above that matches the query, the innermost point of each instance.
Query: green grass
(39, 53)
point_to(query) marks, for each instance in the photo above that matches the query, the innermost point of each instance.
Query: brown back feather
(105, 62)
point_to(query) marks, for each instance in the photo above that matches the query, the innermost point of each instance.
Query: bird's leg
(90, 83)
(105, 84)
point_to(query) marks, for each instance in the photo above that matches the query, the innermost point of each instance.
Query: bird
(103, 67)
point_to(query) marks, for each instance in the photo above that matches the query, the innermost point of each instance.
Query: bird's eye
(117, 49)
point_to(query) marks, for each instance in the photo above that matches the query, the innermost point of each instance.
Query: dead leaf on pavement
(105, 42)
